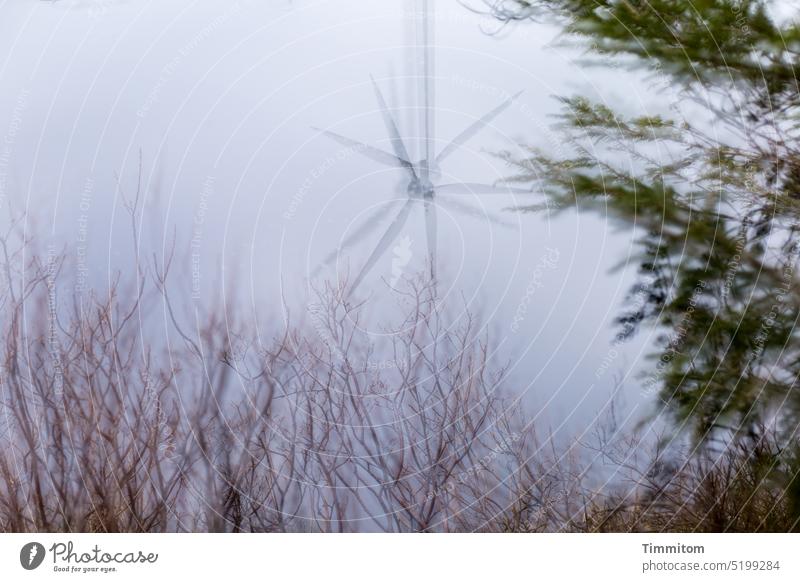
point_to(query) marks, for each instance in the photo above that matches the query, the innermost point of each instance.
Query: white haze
(221, 98)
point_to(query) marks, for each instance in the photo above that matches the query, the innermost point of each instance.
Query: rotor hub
(420, 188)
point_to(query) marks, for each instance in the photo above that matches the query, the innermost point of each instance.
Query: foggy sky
(221, 98)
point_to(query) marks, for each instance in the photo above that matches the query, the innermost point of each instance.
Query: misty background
(219, 101)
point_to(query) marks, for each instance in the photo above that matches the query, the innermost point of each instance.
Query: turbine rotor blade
(428, 87)
(369, 151)
(474, 128)
(472, 212)
(371, 223)
(383, 244)
(477, 189)
(391, 127)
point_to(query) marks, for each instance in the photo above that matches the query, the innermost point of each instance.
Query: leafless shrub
(745, 486)
(110, 421)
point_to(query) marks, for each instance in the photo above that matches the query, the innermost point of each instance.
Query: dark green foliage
(713, 202)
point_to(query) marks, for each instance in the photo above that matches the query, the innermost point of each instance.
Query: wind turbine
(423, 175)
